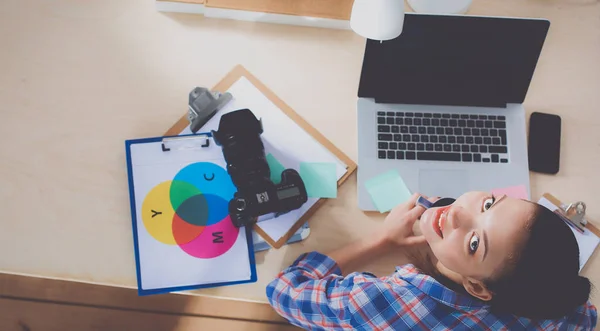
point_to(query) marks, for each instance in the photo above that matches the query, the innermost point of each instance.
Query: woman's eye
(488, 203)
(473, 244)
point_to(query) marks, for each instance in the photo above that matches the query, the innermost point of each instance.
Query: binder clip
(203, 105)
(574, 214)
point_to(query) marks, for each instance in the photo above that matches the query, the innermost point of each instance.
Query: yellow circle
(157, 213)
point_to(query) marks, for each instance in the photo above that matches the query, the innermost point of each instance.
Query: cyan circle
(209, 178)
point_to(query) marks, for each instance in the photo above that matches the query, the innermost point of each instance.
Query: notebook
(183, 236)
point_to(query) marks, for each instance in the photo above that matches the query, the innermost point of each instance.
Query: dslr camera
(239, 137)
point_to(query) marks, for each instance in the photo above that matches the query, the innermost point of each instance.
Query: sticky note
(320, 179)
(519, 192)
(387, 191)
(276, 168)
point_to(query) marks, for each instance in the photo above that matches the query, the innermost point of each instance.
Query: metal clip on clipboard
(575, 213)
(202, 106)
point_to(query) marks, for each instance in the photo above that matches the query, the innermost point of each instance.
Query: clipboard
(232, 77)
(178, 244)
(586, 233)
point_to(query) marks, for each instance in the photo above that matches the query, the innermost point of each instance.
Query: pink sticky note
(519, 192)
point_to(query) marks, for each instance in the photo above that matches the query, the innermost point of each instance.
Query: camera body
(239, 137)
(244, 208)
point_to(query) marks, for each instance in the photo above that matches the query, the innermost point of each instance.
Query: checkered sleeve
(312, 294)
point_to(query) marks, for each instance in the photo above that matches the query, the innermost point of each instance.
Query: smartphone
(544, 143)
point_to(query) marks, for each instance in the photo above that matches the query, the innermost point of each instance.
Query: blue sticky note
(387, 191)
(276, 168)
(320, 179)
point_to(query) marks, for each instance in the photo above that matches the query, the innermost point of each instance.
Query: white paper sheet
(283, 138)
(164, 265)
(587, 240)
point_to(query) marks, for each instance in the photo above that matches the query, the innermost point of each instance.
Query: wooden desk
(78, 78)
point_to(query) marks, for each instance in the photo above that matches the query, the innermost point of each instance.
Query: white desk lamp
(377, 19)
(383, 19)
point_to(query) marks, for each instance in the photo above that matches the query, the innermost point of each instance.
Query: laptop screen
(454, 60)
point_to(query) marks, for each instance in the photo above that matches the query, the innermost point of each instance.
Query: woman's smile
(438, 220)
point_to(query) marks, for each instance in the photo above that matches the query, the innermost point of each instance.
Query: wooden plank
(40, 289)
(22, 315)
(336, 9)
(198, 2)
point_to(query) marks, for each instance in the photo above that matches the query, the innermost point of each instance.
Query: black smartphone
(544, 143)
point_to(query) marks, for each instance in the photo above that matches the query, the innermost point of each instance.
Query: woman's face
(476, 235)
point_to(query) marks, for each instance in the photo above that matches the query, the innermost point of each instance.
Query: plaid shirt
(312, 294)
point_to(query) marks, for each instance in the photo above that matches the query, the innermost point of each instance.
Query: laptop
(443, 104)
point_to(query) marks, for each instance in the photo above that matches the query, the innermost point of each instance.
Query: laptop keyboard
(442, 137)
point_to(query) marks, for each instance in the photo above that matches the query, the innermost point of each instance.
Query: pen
(424, 202)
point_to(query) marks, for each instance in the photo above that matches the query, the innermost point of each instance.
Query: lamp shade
(377, 19)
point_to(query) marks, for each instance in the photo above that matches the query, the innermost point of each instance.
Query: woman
(494, 263)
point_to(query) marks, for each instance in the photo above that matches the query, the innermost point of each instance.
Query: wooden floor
(34, 304)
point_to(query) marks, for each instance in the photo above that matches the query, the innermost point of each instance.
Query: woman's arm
(312, 293)
(357, 254)
(396, 232)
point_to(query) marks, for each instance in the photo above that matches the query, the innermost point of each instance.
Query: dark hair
(542, 281)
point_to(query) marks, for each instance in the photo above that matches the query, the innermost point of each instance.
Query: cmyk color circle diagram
(191, 211)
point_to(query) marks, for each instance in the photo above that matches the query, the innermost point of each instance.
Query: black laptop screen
(454, 60)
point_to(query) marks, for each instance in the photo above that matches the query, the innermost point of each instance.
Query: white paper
(163, 265)
(587, 240)
(282, 137)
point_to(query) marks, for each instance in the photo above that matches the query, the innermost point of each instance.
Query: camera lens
(239, 136)
(240, 204)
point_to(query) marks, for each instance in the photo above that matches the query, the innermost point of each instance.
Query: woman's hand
(395, 232)
(398, 225)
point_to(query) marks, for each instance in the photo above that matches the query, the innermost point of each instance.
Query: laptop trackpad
(443, 183)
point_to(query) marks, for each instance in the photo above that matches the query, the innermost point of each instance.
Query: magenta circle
(215, 240)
